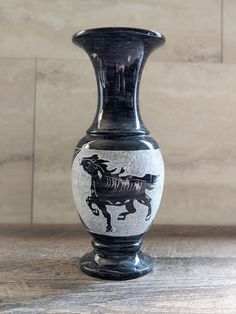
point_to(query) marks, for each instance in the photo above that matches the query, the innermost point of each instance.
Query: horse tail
(151, 180)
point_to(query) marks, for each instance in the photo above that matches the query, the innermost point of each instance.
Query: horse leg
(146, 200)
(90, 201)
(107, 215)
(130, 210)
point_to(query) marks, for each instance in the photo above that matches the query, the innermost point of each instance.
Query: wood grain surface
(195, 272)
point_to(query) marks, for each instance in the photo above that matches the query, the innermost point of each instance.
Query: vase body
(117, 169)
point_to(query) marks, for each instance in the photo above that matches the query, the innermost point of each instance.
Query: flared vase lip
(118, 30)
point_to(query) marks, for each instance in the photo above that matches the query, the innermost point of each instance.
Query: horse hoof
(121, 218)
(148, 217)
(96, 212)
(88, 199)
(109, 229)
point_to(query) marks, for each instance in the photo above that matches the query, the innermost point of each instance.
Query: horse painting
(109, 187)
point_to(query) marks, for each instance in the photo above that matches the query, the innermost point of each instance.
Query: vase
(117, 168)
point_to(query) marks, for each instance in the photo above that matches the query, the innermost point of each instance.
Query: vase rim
(119, 30)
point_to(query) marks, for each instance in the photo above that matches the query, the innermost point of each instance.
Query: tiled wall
(48, 100)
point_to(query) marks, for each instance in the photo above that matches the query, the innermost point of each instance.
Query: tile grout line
(33, 144)
(222, 31)
(150, 61)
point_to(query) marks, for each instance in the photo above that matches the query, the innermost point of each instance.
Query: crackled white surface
(136, 163)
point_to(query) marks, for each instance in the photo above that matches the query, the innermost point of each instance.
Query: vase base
(131, 267)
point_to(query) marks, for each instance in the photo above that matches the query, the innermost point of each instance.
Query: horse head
(89, 166)
(93, 165)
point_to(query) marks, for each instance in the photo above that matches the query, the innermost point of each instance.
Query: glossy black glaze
(116, 258)
(118, 56)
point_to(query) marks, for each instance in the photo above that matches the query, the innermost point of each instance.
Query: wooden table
(195, 272)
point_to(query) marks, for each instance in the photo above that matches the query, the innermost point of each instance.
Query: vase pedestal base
(132, 266)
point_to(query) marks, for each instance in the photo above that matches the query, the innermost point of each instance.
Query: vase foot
(131, 267)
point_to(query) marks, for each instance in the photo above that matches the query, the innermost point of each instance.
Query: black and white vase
(117, 170)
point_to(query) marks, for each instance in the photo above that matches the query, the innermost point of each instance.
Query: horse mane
(101, 164)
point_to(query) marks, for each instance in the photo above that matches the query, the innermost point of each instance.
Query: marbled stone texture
(16, 140)
(189, 109)
(187, 102)
(229, 31)
(43, 28)
(65, 107)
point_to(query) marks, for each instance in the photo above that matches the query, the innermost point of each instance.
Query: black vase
(117, 170)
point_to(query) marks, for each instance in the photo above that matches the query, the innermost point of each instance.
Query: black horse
(109, 188)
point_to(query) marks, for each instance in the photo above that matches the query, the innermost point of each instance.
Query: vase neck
(118, 90)
(118, 56)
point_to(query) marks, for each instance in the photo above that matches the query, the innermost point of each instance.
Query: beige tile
(32, 28)
(229, 31)
(66, 103)
(190, 109)
(16, 140)
(192, 29)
